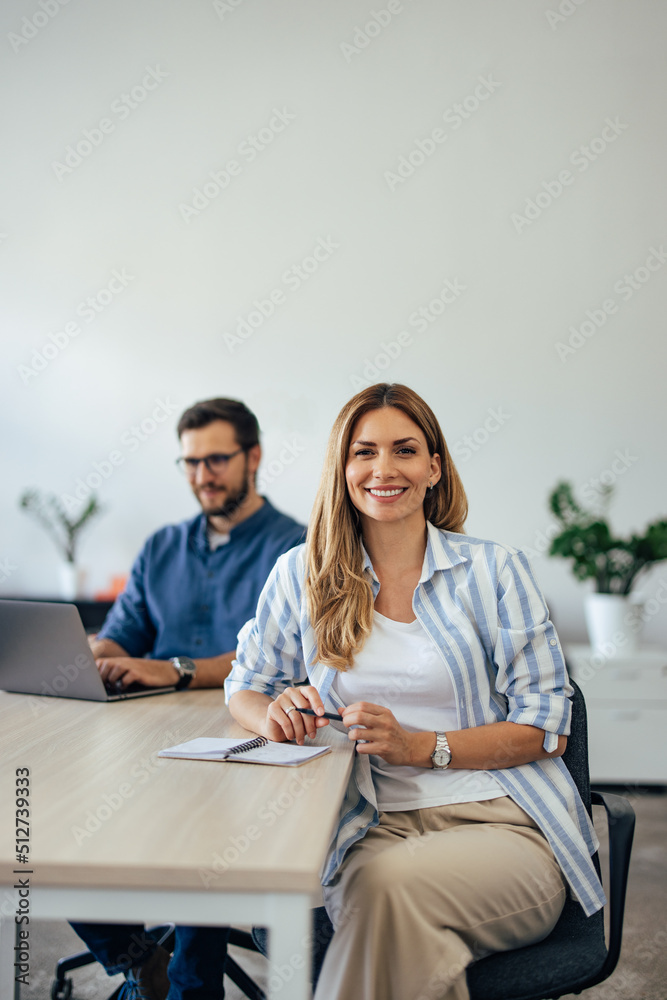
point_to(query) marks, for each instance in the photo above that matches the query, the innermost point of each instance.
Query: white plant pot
(71, 581)
(614, 624)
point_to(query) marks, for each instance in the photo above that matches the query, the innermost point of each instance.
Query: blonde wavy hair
(338, 591)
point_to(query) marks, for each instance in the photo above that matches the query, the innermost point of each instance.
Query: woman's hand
(385, 737)
(283, 722)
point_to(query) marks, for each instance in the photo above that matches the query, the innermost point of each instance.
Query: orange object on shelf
(116, 587)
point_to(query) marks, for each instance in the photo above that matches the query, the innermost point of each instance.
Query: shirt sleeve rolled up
(531, 670)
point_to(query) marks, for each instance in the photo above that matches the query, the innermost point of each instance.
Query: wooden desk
(118, 833)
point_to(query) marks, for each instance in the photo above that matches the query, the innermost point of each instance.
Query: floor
(640, 975)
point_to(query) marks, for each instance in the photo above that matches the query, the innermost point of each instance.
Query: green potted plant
(613, 563)
(64, 530)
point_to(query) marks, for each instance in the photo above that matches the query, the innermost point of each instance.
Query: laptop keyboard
(115, 687)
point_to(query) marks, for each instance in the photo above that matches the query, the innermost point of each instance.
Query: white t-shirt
(400, 668)
(216, 538)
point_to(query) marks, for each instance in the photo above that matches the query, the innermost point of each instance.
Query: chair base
(62, 985)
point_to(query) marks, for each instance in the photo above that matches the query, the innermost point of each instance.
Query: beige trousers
(429, 891)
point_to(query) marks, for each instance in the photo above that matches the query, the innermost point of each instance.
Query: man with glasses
(195, 584)
(191, 589)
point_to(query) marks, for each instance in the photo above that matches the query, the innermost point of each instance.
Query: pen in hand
(325, 715)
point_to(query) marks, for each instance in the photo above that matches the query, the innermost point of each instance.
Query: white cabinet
(626, 702)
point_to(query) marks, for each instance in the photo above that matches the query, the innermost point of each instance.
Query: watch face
(185, 665)
(187, 669)
(441, 758)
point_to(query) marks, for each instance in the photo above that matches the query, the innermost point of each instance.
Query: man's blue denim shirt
(182, 599)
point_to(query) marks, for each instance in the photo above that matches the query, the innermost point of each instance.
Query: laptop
(44, 650)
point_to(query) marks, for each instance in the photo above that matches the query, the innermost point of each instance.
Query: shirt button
(210, 576)
(197, 642)
(204, 607)
(552, 642)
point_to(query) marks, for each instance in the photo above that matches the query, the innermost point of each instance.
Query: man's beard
(234, 501)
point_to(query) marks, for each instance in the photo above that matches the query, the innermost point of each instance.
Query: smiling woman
(389, 595)
(389, 463)
(386, 438)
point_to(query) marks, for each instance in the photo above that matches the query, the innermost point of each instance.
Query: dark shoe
(148, 981)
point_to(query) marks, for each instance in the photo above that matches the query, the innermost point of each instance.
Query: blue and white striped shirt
(481, 606)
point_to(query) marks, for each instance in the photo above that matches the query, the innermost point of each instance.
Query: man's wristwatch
(186, 670)
(442, 755)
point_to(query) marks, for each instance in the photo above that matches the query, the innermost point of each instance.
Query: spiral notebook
(256, 751)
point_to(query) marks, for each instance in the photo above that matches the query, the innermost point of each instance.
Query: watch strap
(441, 747)
(187, 669)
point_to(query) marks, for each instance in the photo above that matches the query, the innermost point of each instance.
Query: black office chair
(62, 985)
(574, 956)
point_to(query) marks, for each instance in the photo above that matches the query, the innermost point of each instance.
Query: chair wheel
(61, 991)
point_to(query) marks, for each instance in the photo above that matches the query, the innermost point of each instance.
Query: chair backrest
(575, 757)
(570, 957)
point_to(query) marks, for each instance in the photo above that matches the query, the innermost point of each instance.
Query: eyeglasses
(214, 463)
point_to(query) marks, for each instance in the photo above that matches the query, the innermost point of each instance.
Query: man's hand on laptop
(117, 667)
(128, 670)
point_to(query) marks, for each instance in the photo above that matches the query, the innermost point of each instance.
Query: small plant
(50, 512)
(586, 538)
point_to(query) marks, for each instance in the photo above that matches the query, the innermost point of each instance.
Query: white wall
(547, 77)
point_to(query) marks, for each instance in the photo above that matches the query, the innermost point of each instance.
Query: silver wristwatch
(442, 755)
(186, 670)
